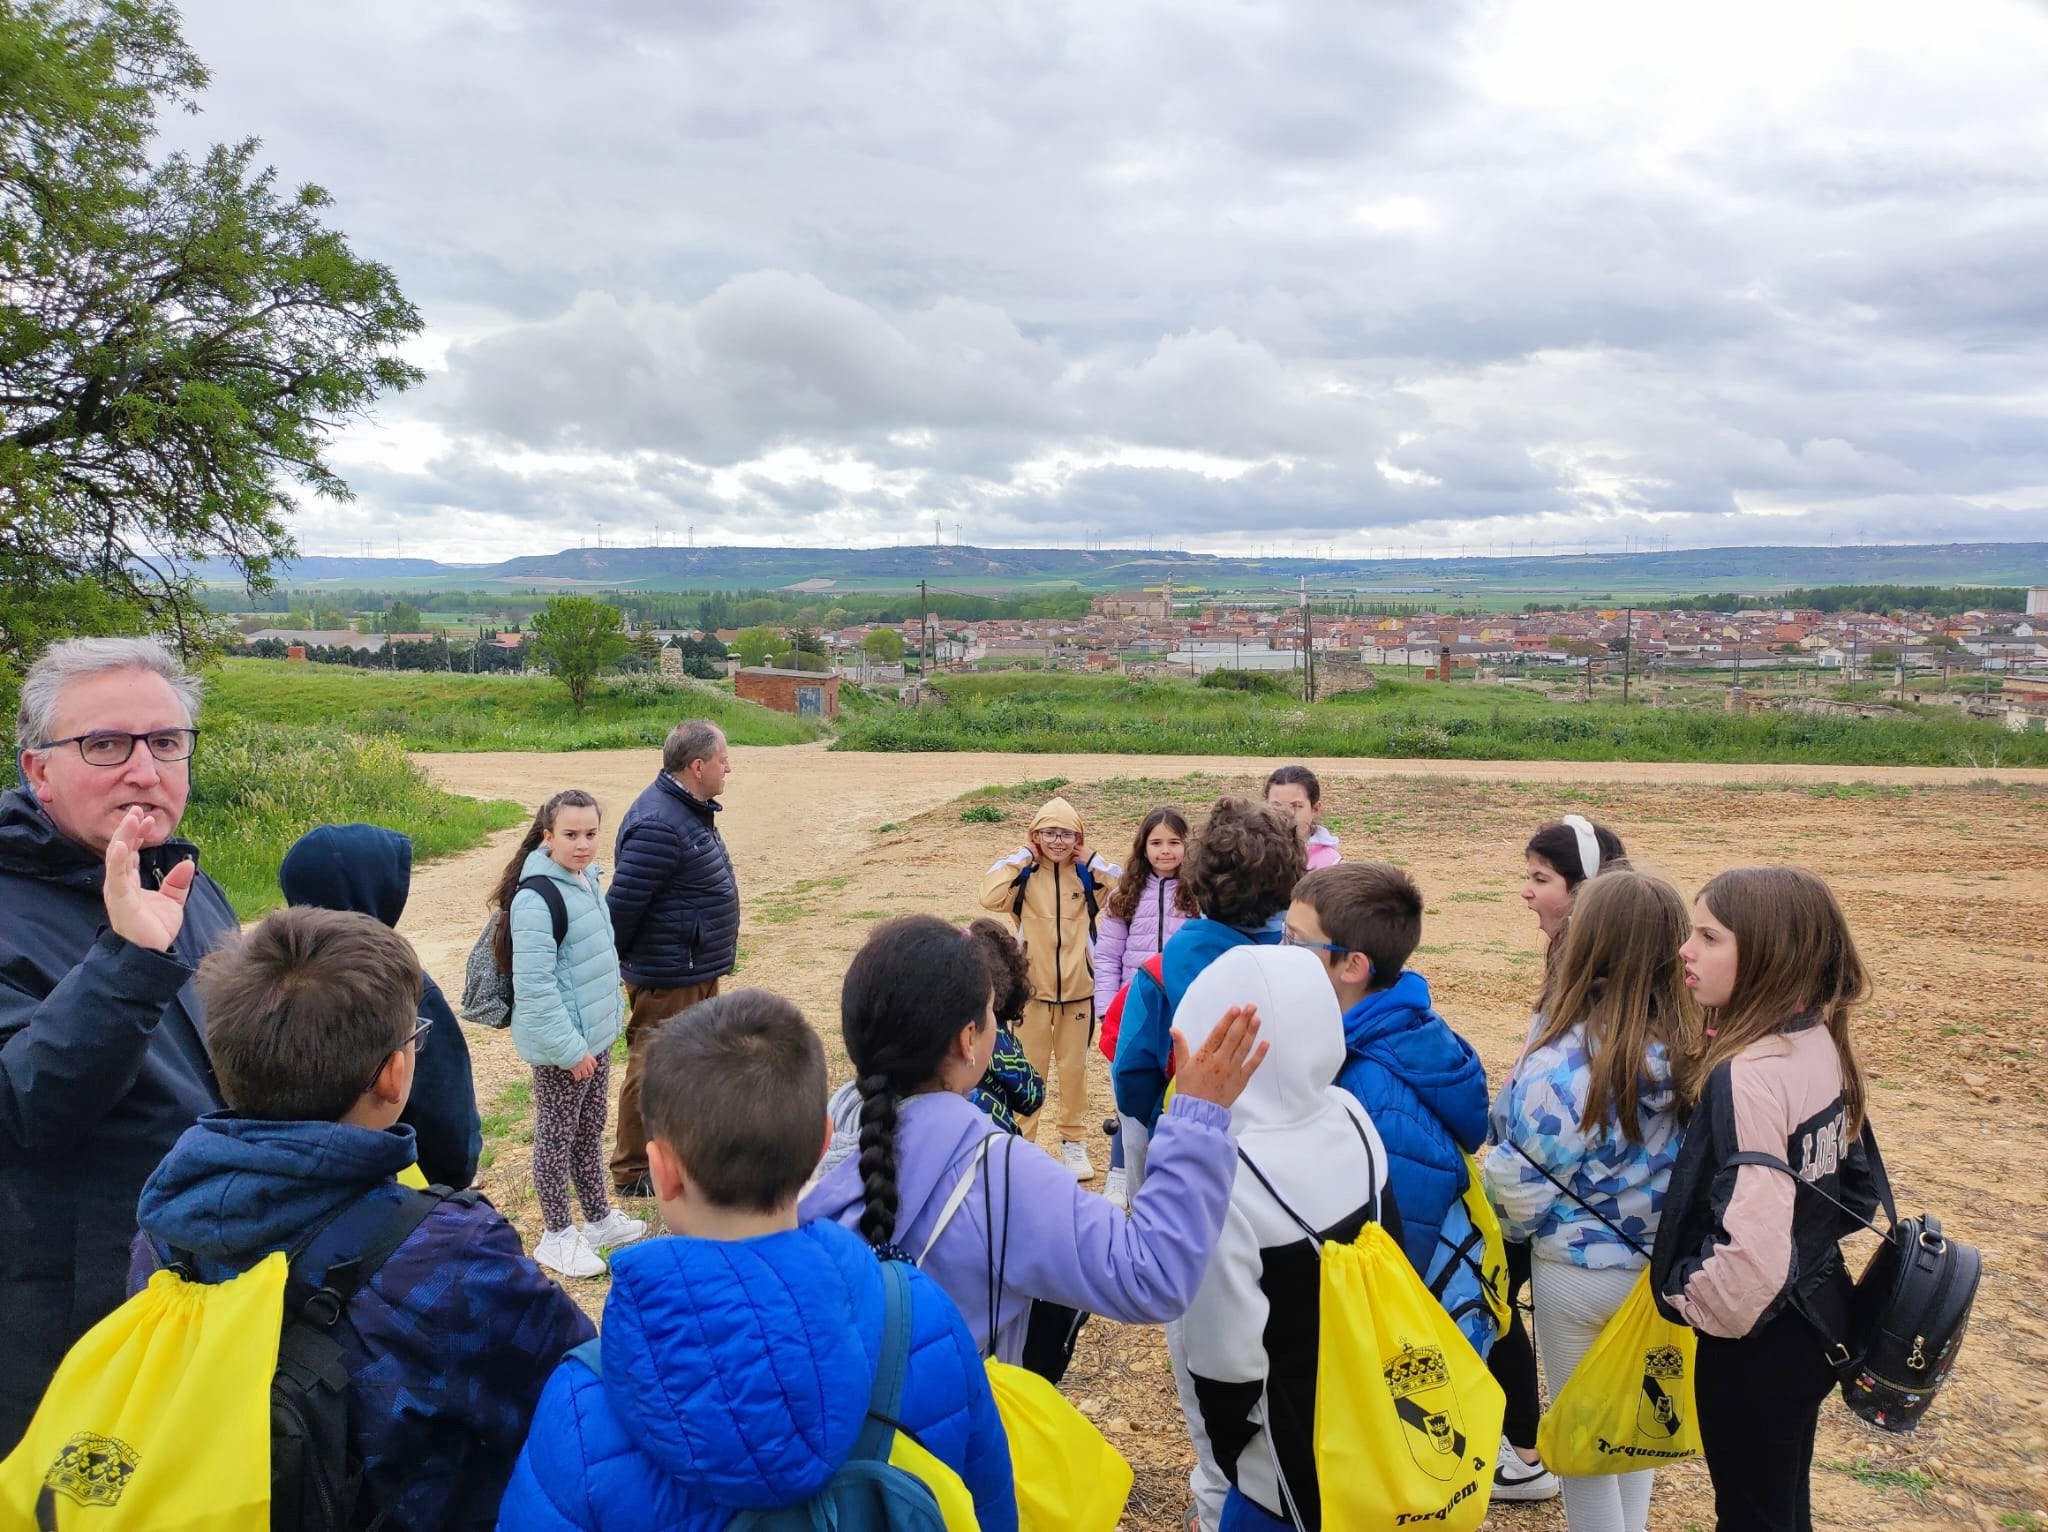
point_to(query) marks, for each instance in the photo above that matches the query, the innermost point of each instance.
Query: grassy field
(428, 711)
(1047, 714)
(258, 787)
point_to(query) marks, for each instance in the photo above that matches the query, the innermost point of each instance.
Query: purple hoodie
(1051, 1239)
(1120, 947)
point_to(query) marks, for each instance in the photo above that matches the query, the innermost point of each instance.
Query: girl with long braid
(935, 1182)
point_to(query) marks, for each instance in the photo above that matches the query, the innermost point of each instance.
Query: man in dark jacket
(104, 916)
(675, 912)
(368, 869)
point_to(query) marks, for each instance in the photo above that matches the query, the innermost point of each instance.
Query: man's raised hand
(147, 917)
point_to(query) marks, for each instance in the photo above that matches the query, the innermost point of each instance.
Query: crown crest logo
(1664, 1362)
(1414, 1370)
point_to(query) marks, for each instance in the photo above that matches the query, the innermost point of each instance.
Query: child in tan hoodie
(1052, 887)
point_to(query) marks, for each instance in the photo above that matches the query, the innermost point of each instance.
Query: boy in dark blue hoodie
(739, 1357)
(312, 1021)
(1420, 1082)
(368, 869)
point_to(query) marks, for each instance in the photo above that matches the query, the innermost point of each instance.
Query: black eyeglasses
(426, 1025)
(110, 747)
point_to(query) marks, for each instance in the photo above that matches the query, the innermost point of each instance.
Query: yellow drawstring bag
(1067, 1475)
(1629, 1404)
(159, 1417)
(1493, 1259)
(1407, 1416)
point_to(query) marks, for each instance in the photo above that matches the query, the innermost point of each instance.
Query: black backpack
(1911, 1307)
(487, 988)
(1087, 888)
(316, 1482)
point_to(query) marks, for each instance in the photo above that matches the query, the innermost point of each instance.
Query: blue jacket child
(448, 1344)
(737, 1376)
(1145, 1042)
(368, 869)
(1425, 1090)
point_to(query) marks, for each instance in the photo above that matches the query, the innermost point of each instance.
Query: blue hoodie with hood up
(447, 1345)
(736, 1377)
(367, 869)
(1425, 1090)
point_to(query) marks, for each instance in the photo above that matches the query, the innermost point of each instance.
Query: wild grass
(257, 787)
(429, 711)
(1043, 714)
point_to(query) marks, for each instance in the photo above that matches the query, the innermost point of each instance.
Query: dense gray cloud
(1205, 273)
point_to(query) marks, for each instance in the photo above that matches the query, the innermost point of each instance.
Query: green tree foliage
(753, 614)
(754, 645)
(403, 617)
(576, 639)
(884, 645)
(179, 337)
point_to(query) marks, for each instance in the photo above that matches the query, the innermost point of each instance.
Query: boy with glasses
(313, 1021)
(1420, 1082)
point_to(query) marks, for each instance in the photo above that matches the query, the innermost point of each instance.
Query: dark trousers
(1759, 1400)
(1512, 1361)
(650, 1009)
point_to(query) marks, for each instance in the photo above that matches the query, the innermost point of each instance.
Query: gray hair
(693, 739)
(80, 659)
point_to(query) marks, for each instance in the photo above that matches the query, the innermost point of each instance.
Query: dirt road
(1944, 875)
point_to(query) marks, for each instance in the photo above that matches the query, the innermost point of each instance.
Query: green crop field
(426, 710)
(1041, 713)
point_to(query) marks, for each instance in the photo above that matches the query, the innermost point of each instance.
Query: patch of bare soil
(1944, 876)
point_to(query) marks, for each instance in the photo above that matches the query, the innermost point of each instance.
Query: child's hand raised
(1221, 1068)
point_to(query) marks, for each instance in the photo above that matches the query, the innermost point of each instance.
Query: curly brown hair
(1245, 862)
(1008, 970)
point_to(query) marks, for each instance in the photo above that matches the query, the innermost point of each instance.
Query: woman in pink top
(1295, 789)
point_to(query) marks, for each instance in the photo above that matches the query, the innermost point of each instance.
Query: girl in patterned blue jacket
(1586, 1132)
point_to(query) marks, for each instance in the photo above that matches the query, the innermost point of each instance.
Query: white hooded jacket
(1251, 1334)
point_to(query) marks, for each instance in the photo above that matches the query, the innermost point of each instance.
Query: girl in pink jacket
(1149, 905)
(1295, 789)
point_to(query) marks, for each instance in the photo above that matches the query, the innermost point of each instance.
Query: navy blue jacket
(103, 1063)
(368, 870)
(448, 1345)
(674, 901)
(1425, 1090)
(737, 1376)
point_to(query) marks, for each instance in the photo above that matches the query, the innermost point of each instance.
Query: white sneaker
(566, 1253)
(1514, 1479)
(1075, 1157)
(1117, 1188)
(615, 1229)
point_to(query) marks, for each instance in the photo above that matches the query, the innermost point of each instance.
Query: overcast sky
(1213, 275)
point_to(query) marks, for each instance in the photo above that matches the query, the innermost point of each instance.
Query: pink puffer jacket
(1121, 947)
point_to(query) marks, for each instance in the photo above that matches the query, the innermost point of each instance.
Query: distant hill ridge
(1754, 570)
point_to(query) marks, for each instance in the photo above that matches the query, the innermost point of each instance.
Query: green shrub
(1260, 682)
(256, 788)
(983, 814)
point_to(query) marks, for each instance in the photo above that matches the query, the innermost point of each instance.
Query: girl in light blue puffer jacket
(566, 1011)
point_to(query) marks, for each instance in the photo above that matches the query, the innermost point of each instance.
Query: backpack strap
(958, 1195)
(551, 896)
(1372, 1179)
(1088, 892)
(1023, 877)
(1612, 1228)
(892, 1368)
(368, 1231)
(1880, 1181)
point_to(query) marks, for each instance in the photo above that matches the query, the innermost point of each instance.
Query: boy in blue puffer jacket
(1421, 1083)
(738, 1360)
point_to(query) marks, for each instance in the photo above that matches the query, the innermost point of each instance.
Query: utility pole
(1628, 646)
(1308, 650)
(924, 630)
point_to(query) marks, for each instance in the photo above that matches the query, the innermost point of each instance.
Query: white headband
(1589, 844)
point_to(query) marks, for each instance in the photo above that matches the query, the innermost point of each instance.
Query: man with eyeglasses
(104, 916)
